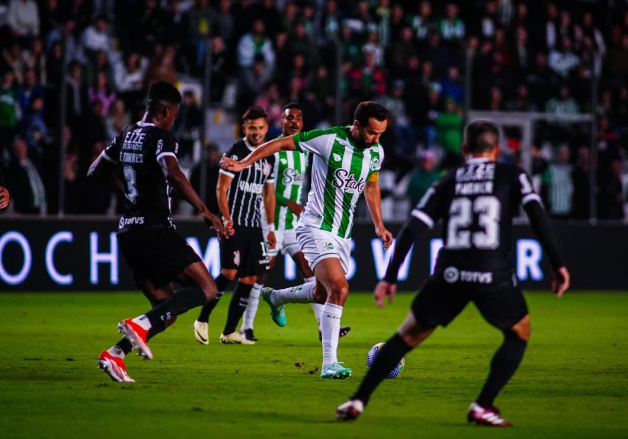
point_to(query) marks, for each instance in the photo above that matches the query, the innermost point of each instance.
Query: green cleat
(336, 371)
(278, 313)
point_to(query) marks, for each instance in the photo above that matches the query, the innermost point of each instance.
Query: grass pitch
(573, 381)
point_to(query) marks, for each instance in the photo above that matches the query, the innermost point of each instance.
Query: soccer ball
(370, 359)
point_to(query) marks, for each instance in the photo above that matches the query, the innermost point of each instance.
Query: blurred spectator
(368, 80)
(35, 59)
(213, 168)
(51, 16)
(176, 25)
(496, 102)
(29, 90)
(563, 62)
(117, 119)
(130, 74)
(95, 38)
(423, 177)
(400, 53)
(12, 60)
(272, 102)
(582, 185)
(423, 23)
(328, 22)
(618, 60)
(302, 44)
(251, 81)
(268, 13)
(449, 125)
(28, 194)
(99, 64)
(563, 103)
(187, 124)
(559, 185)
(400, 120)
(77, 98)
(521, 101)
(162, 67)
(148, 28)
(611, 197)
(220, 69)
(452, 27)
(373, 46)
(23, 18)
(256, 43)
(102, 91)
(451, 87)
(10, 113)
(36, 133)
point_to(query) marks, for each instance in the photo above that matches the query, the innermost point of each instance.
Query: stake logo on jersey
(477, 203)
(247, 186)
(136, 151)
(340, 171)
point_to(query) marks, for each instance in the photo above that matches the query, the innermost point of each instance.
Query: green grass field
(573, 382)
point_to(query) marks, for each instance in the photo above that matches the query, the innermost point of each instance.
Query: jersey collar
(248, 145)
(145, 124)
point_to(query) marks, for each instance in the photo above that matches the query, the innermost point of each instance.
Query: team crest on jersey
(234, 157)
(236, 257)
(375, 165)
(336, 157)
(329, 246)
(266, 169)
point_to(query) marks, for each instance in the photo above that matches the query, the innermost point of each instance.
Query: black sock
(503, 366)
(179, 303)
(391, 354)
(237, 306)
(222, 283)
(125, 345)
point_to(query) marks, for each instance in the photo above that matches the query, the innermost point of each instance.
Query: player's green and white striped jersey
(340, 171)
(290, 168)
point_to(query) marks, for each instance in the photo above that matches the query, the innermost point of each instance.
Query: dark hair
(255, 112)
(292, 105)
(368, 109)
(163, 92)
(481, 136)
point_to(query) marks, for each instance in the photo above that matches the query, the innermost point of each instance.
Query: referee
(244, 254)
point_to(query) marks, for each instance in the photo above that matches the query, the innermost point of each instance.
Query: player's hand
(385, 236)
(272, 240)
(296, 208)
(228, 164)
(229, 230)
(561, 281)
(213, 222)
(383, 289)
(4, 197)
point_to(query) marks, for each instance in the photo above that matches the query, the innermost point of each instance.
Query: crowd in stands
(413, 56)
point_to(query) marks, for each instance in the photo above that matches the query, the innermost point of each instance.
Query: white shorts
(286, 243)
(317, 244)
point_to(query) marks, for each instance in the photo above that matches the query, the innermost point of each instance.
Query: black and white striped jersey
(136, 151)
(245, 193)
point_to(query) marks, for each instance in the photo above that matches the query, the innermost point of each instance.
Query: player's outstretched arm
(265, 150)
(542, 228)
(410, 231)
(177, 179)
(373, 198)
(102, 167)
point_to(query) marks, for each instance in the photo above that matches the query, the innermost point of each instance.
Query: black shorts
(157, 255)
(245, 251)
(438, 302)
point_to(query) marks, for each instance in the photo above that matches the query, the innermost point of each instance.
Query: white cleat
(201, 332)
(234, 338)
(114, 368)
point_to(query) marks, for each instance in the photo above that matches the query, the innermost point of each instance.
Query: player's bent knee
(339, 291)
(522, 328)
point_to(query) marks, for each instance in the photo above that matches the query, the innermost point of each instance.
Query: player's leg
(506, 309)
(201, 324)
(409, 336)
(237, 306)
(111, 361)
(437, 303)
(248, 319)
(200, 289)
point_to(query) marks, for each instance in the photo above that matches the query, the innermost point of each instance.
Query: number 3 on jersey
(131, 183)
(461, 211)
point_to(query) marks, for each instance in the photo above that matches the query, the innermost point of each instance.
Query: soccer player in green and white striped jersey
(290, 169)
(346, 163)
